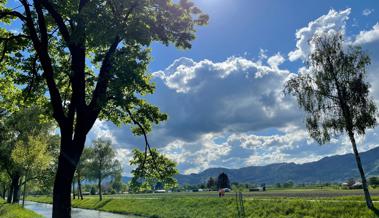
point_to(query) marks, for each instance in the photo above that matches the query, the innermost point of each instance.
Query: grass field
(15, 211)
(294, 203)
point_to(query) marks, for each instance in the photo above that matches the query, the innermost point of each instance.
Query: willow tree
(91, 58)
(335, 95)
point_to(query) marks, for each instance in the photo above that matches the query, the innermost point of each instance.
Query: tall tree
(102, 163)
(223, 181)
(335, 95)
(54, 45)
(82, 169)
(152, 169)
(32, 157)
(19, 126)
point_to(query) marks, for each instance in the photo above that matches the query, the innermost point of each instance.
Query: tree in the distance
(91, 57)
(82, 169)
(223, 181)
(102, 163)
(335, 95)
(32, 157)
(211, 183)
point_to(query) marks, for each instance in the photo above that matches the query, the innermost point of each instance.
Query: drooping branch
(147, 144)
(12, 14)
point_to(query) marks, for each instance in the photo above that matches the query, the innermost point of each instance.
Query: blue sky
(224, 96)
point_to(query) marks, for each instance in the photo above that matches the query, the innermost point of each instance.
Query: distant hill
(329, 169)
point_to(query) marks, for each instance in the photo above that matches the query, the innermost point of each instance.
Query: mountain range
(336, 168)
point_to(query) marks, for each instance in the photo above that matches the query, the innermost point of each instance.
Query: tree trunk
(62, 189)
(80, 188)
(369, 203)
(100, 194)
(24, 194)
(10, 193)
(69, 156)
(73, 190)
(16, 189)
(4, 191)
(67, 162)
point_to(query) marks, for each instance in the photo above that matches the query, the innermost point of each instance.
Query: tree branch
(17, 14)
(45, 60)
(99, 94)
(147, 145)
(58, 20)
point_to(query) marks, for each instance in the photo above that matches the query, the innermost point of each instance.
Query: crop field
(293, 203)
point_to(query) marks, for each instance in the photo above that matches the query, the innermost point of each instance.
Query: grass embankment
(171, 207)
(15, 211)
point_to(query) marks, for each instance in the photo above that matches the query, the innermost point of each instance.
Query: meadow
(294, 203)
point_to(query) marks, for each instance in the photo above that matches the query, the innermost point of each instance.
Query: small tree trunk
(369, 203)
(4, 190)
(16, 189)
(24, 195)
(80, 188)
(73, 190)
(100, 194)
(10, 193)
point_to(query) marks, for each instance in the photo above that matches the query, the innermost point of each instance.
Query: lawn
(199, 205)
(15, 211)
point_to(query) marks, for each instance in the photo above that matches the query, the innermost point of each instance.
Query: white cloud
(367, 12)
(102, 130)
(275, 61)
(330, 22)
(369, 36)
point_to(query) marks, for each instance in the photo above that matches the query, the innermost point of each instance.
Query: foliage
(33, 155)
(91, 57)
(223, 181)
(335, 93)
(117, 183)
(211, 183)
(373, 181)
(101, 162)
(152, 169)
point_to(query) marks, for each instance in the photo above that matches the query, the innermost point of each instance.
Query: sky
(224, 96)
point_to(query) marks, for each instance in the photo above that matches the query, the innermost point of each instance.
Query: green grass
(15, 211)
(176, 206)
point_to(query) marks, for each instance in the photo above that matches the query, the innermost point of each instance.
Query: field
(293, 203)
(15, 211)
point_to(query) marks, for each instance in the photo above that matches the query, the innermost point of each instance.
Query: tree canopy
(335, 95)
(152, 170)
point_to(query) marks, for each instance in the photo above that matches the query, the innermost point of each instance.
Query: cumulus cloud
(369, 36)
(334, 20)
(235, 95)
